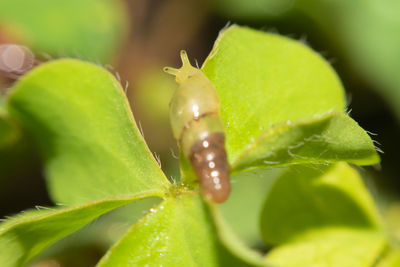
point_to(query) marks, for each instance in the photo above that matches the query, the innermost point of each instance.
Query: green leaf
(373, 53)
(330, 138)
(307, 198)
(264, 80)
(26, 235)
(276, 113)
(392, 219)
(80, 118)
(392, 260)
(332, 247)
(112, 227)
(234, 242)
(269, 84)
(91, 29)
(321, 216)
(179, 232)
(249, 189)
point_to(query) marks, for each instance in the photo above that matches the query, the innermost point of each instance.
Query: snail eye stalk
(171, 70)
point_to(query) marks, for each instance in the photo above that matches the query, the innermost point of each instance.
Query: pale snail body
(196, 124)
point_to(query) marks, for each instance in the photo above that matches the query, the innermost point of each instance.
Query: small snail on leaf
(196, 124)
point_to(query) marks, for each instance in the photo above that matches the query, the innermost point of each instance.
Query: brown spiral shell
(209, 161)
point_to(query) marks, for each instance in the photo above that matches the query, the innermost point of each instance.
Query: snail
(196, 124)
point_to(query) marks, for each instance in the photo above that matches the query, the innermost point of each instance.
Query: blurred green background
(135, 38)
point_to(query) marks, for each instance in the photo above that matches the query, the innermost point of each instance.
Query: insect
(15, 60)
(196, 124)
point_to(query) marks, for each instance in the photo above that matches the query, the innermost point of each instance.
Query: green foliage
(26, 235)
(312, 197)
(282, 104)
(89, 141)
(373, 53)
(252, 186)
(90, 29)
(321, 216)
(329, 138)
(329, 218)
(333, 247)
(392, 260)
(345, 22)
(168, 235)
(255, 93)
